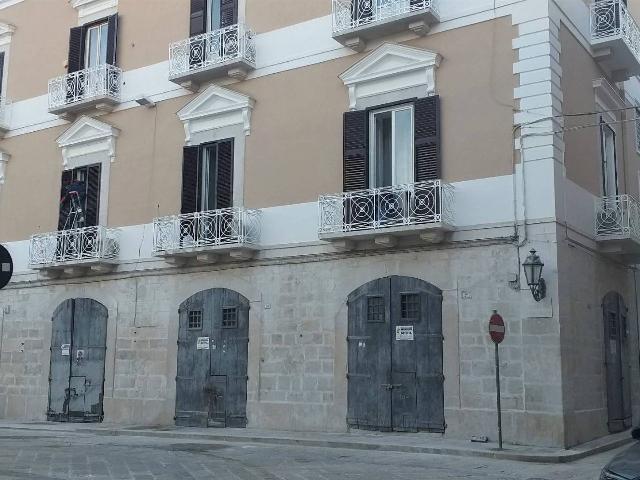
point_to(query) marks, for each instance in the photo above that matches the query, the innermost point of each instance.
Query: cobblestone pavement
(55, 455)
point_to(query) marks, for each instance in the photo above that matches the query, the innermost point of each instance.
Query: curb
(551, 458)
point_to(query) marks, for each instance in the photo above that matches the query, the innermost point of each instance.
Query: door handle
(390, 386)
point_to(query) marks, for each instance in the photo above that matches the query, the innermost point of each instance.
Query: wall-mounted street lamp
(533, 271)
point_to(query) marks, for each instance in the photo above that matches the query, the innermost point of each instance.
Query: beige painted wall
(147, 27)
(266, 15)
(39, 46)
(294, 152)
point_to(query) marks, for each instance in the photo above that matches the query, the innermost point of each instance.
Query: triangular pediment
(390, 59)
(86, 129)
(215, 100)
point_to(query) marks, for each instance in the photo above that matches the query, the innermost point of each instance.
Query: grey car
(625, 465)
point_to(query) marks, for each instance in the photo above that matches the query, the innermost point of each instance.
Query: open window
(93, 44)
(609, 160)
(79, 198)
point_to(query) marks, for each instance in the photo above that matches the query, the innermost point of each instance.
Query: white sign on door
(404, 333)
(65, 349)
(203, 343)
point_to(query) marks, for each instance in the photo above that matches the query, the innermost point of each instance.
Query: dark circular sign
(6, 267)
(496, 328)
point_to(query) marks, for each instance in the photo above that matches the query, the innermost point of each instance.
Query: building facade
(300, 214)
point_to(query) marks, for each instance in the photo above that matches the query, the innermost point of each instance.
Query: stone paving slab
(356, 440)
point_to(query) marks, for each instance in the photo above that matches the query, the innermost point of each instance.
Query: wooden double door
(395, 356)
(76, 376)
(211, 381)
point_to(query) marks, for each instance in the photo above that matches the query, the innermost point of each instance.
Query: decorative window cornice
(90, 10)
(6, 32)
(216, 107)
(391, 68)
(86, 136)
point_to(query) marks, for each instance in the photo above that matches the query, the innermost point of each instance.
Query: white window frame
(372, 142)
(637, 124)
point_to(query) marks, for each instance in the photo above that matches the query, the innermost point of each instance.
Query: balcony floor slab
(430, 232)
(101, 103)
(614, 55)
(237, 68)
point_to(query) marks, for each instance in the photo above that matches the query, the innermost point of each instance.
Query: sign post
(496, 331)
(6, 267)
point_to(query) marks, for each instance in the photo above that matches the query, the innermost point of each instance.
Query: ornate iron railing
(87, 84)
(348, 14)
(235, 42)
(617, 217)
(228, 226)
(611, 18)
(70, 246)
(378, 208)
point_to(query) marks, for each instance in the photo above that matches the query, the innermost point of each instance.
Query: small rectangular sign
(6, 267)
(404, 333)
(203, 343)
(65, 349)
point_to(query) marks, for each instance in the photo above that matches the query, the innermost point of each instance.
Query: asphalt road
(44, 455)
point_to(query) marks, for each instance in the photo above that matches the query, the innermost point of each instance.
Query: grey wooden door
(395, 379)
(78, 347)
(617, 362)
(213, 337)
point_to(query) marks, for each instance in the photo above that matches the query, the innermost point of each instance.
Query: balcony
(92, 88)
(228, 51)
(75, 252)
(423, 209)
(357, 21)
(205, 236)
(615, 38)
(618, 226)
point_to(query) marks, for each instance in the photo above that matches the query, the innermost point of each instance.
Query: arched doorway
(395, 380)
(211, 381)
(76, 376)
(617, 362)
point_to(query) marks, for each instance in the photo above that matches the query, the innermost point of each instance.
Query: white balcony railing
(211, 49)
(348, 14)
(74, 246)
(611, 19)
(235, 226)
(617, 218)
(99, 82)
(420, 203)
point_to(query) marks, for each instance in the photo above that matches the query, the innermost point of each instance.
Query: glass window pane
(92, 47)
(382, 153)
(610, 181)
(403, 146)
(214, 15)
(104, 31)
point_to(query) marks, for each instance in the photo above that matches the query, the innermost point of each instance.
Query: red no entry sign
(496, 328)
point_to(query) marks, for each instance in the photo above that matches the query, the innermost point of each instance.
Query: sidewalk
(359, 440)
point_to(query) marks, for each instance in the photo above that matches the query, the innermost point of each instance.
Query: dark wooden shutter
(76, 50)
(427, 139)
(112, 40)
(190, 168)
(92, 206)
(355, 151)
(198, 19)
(1, 72)
(228, 13)
(67, 178)
(224, 177)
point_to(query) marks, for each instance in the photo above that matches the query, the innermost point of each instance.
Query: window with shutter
(1, 74)
(79, 198)
(207, 177)
(228, 13)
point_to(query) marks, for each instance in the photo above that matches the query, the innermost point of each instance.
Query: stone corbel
(4, 159)
(246, 118)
